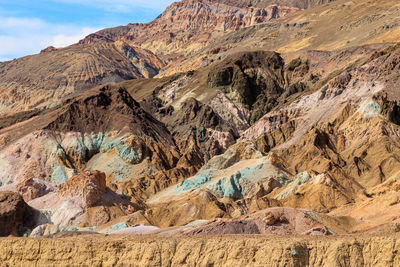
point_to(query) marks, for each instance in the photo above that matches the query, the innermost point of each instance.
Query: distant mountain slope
(339, 24)
(302, 4)
(44, 79)
(191, 24)
(123, 53)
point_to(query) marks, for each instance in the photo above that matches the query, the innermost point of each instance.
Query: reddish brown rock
(48, 49)
(13, 211)
(272, 218)
(88, 186)
(32, 188)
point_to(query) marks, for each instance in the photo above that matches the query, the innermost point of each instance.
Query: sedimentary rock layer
(97, 250)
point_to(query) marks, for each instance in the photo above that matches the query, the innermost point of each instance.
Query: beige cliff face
(218, 251)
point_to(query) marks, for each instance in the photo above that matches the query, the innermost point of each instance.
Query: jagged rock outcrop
(88, 186)
(48, 49)
(197, 125)
(302, 4)
(253, 79)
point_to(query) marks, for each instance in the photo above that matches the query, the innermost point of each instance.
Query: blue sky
(27, 26)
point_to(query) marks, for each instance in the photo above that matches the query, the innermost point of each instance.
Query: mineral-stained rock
(206, 129)
(48, 229)
(13, 213)
(89, 186)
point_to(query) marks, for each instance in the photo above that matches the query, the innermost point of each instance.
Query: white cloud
(61, 40)
(23, 36)
(20, 36)
(4, 59)
(123, 5)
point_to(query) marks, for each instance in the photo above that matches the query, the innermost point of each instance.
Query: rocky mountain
(44, 80)
(220, 121)
(189, 25)
(301, 4)
(341, 24)
(126, 52)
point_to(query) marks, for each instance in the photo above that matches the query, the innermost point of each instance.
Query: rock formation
(217, 250)
(14, 214)
(31, 188)
(88, 186)
(279, 221)
(190, 25)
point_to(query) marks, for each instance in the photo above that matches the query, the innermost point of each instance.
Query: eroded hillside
(242, 118)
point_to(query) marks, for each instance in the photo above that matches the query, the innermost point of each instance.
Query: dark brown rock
(13, 213)
(254, 80)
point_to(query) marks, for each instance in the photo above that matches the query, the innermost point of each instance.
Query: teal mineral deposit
(86, 148)
(193, 183)
(299, 180)
(123, 150)
(239, 184)
(370, 109)
(115, 227)
(59, 176)
(228, 186)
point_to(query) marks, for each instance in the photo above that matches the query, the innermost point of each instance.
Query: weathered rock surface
(91, 250)
(52, 76)
(254, 80)
(33, 188)
(243, 141)
(189, 25)
(88, 186)
(280, 221)
(14, 214)
(323, 28)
